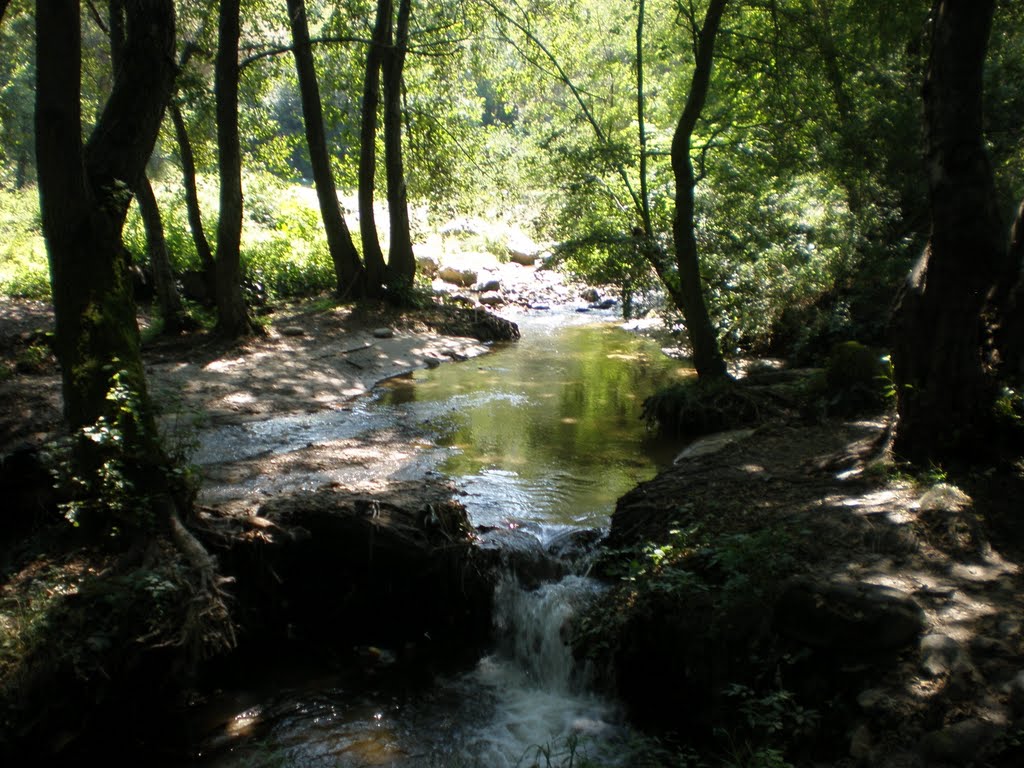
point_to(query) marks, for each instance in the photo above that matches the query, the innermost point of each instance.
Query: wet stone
(960, 743)
(939, 654)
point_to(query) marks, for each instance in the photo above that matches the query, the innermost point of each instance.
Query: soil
(831, 480)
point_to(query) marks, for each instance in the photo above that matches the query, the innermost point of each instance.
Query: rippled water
(545, 431)
(548, 429)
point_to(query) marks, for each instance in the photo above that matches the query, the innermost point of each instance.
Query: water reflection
(547, 430)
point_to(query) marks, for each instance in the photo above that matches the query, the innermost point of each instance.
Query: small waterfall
(532, 627)
(542, 713)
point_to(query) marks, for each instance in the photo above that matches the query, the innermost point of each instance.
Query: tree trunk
(944, 392)
(707, 357)
(232, 315)
(1010, 307)
(401, 269)
(347, 267)
(373, 257)
(84, 199)
(171, 310)
(195, 214)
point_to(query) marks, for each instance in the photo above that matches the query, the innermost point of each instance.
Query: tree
(689, 295)
(944, 385)
(347, 266)
(85, 194)
(193, 211)
(232, 315)
(401, 268)
(373, 257)
(172, 312)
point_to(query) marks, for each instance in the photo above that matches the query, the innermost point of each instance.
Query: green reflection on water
(549, 429)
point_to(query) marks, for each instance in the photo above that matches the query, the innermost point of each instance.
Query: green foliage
(695, 407)
(24, 270)
(110, 470)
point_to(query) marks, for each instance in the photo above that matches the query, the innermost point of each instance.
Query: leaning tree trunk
(944, 391)
(707, 356)
(347, 267)
(232, 315)
(373, 257)
(168, 300)
(84, 198)
(195, 214)
(401, 269)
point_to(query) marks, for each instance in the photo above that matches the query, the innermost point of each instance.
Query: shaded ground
(825, 502)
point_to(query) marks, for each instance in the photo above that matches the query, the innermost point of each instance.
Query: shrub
(24, 270)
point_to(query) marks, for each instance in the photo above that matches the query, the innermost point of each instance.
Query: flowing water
(543, 434)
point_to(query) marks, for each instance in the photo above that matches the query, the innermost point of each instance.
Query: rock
(861, 742)
(522, 553)
(293, 330)
(493, 284)
(538, 306)
(491, 299)
(463, 277)
(427, 265)
(874, 700)
(591, 294)
(519, 257)
(574, 544)
(938, 654)
(712, 444)
(847, 617)
(943, 497)
(383, 333)
(960, 743)
(1015, 689)
(522, 250)
(462, 228)
(604, 303)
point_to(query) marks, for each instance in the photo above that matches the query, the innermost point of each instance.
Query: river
(543, 435)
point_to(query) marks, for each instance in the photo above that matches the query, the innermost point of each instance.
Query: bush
(24, 269)
(697, 407)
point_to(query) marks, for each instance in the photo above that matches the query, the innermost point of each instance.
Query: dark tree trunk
(944, 390)
(171, 310)
(84, 198)
(401, 269)
(373, 257)
(347, 267)
(689, 295)
(3, 9)
(232, 314)
(1010, 308)
(195, 214)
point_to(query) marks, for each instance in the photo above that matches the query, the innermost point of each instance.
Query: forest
(820, 202)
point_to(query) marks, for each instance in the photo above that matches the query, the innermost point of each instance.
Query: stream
(542, 435)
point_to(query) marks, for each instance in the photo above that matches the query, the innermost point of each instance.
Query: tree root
(207, 628)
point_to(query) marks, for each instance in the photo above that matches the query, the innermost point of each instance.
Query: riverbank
(794, 597)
